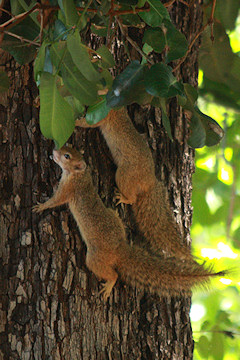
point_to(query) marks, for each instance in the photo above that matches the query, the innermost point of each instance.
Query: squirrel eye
(67, 156)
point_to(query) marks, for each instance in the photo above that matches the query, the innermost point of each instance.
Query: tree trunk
(50, 307)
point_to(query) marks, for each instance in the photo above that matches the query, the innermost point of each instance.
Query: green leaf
(97, 112)
(48, 67)
(107, 78)
(227, 12)
(146, 49)
(105, 6)
(197, 138)
(78, 108)
(159, 81)
(131, 19)
(204, 129)
(100, 31)
(60, 30)
(22, 52)
(106, 56)
(4, 82)
(84, 90)
(216, 59)
(157, 13)
(203, 347)
(214, 132)
(128, 87)
(188, 101)
(40, 60)
(70, 12)
(155, 38)
(56, 115)
(217, 344)
(81, 58)
(176, 42)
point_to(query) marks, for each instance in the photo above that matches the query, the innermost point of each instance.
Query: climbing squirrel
(138, 185)
(108, 253)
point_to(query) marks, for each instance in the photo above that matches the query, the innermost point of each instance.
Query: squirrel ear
(80, 166)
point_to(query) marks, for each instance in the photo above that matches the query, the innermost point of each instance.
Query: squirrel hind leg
(126, 183)
(104, 271)
(107, 288)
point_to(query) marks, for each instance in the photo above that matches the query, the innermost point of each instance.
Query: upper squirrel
(138, 185)
(108, 253)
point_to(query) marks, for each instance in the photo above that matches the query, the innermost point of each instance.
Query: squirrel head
(70, 160)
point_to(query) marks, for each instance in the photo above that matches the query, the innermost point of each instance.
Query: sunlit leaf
(203, 347)
(56, 115)
(81, 58)
(84, 90)
(70, 12)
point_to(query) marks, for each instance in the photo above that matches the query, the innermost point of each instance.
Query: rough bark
(50, 308)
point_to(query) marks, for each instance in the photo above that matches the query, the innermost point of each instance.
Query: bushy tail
(161, 275)
(155, 221)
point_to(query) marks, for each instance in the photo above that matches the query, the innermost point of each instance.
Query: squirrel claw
(38, 208)
(120, 197)
(106, 289)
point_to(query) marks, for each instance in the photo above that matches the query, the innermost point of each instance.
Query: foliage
(71, 74)
(216, 192)
(77, 80)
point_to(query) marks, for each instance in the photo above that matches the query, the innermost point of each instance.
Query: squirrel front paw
(38, 208)
(121, 199)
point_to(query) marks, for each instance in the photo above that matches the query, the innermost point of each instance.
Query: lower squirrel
(138, 185)
(108, 253)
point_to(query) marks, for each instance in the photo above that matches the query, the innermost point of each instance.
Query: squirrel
(138, 185)
(108, 253)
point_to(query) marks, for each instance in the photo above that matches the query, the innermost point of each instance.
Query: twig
(18, 18)
(32, 42)
(211, 21)
(226, 332)
(6, 11)
(184, 2)
(133, 42)
(41, 26)
(169, 3)
(111, 11)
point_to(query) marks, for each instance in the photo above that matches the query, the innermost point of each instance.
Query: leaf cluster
(76, 80)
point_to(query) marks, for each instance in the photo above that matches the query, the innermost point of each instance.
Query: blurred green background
(215, 313)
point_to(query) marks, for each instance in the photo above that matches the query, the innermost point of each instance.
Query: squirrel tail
(156, 223)
(161, 275)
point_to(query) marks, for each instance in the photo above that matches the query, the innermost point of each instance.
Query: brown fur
(138, 185)
(108, 253)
